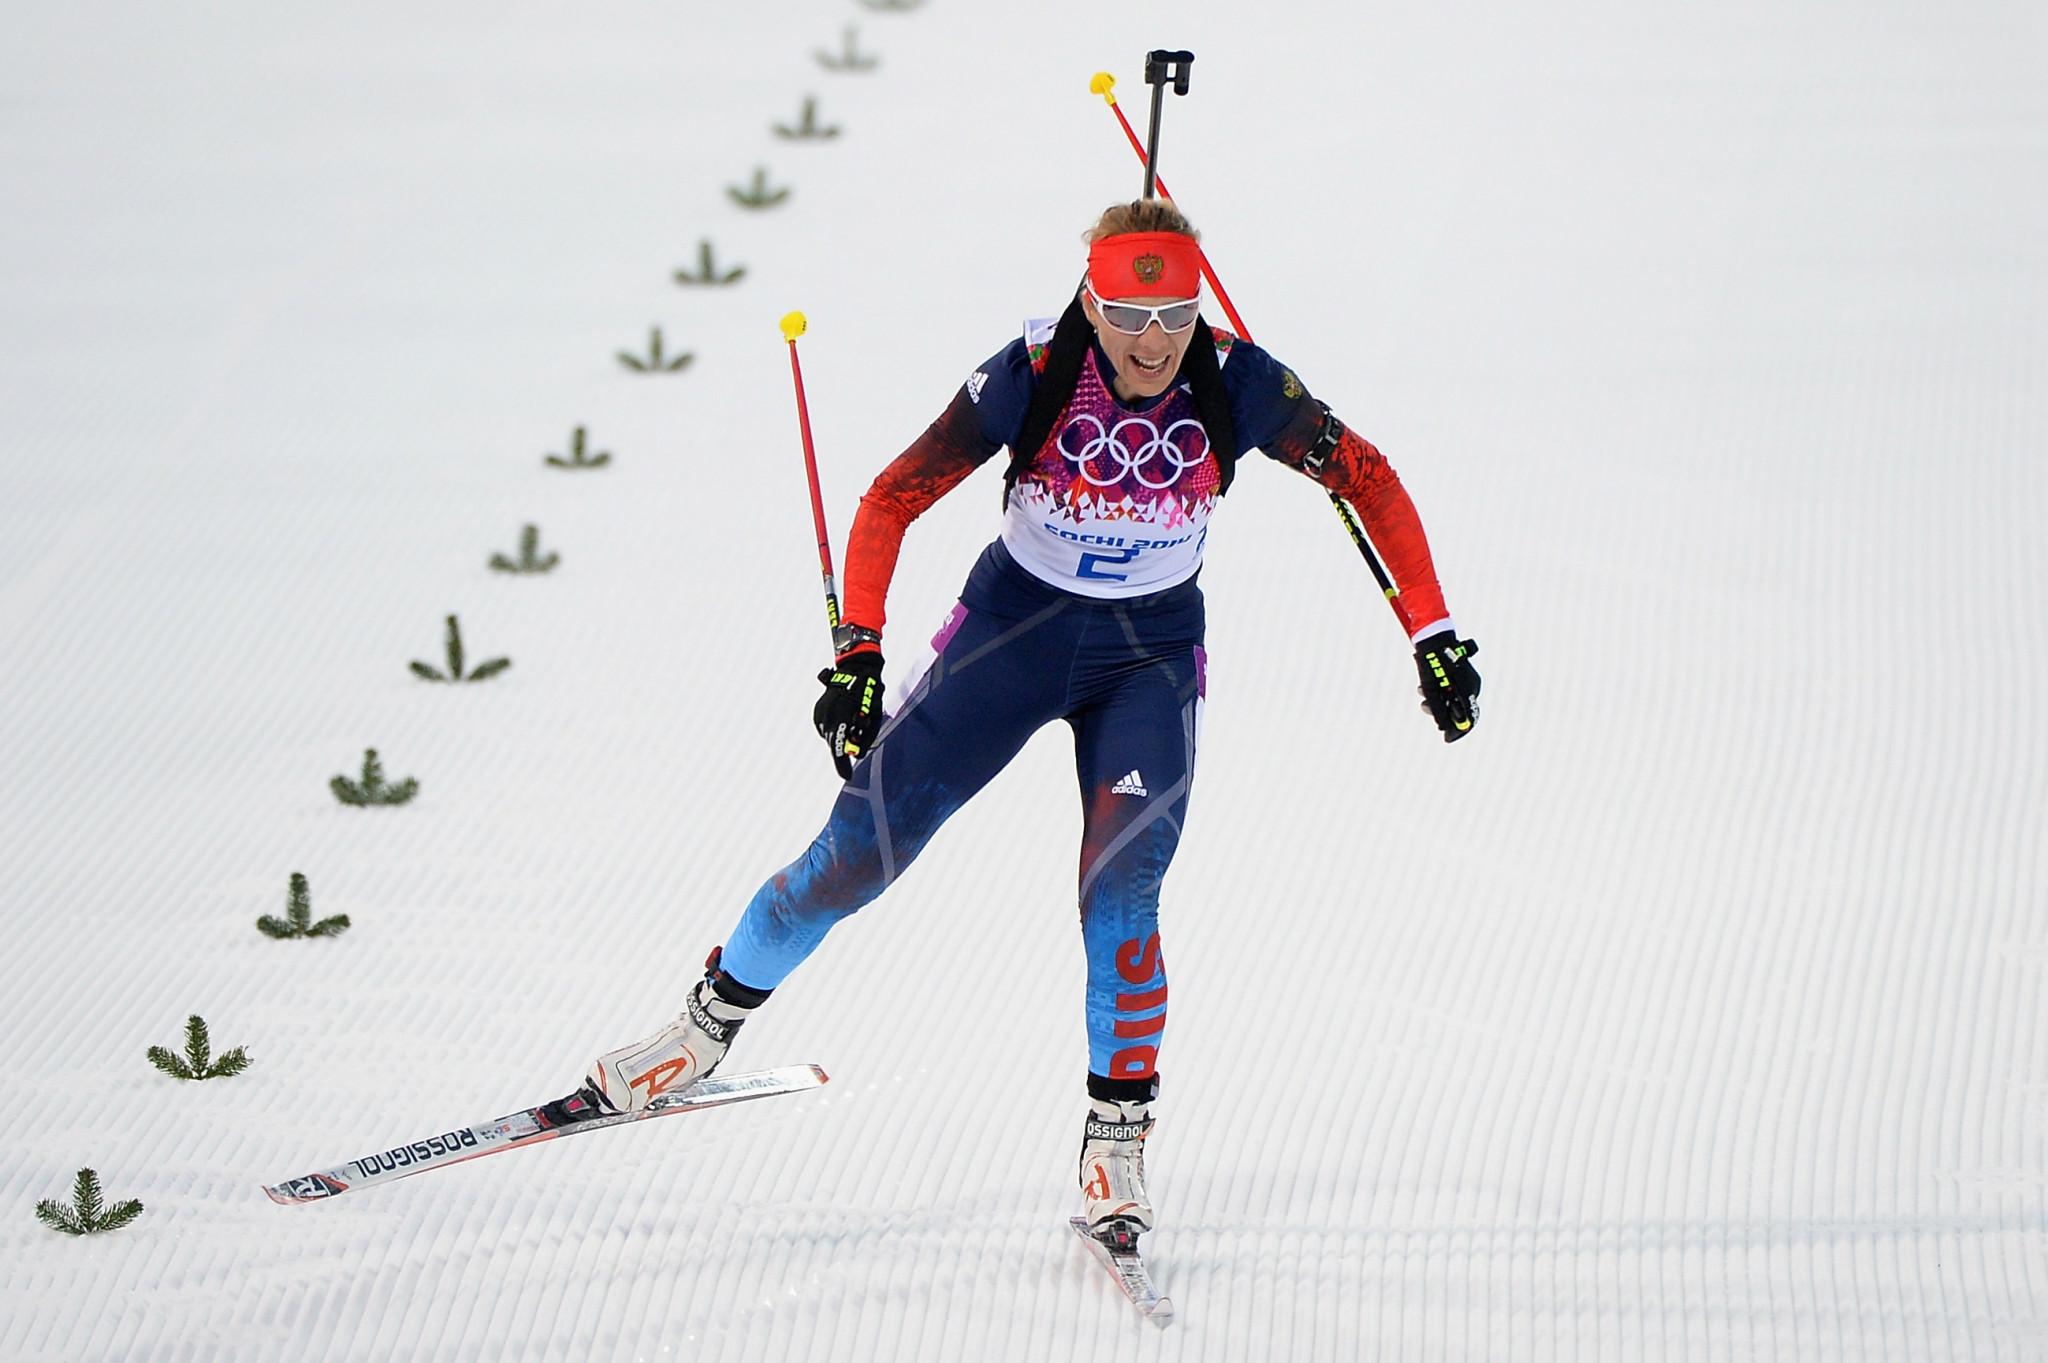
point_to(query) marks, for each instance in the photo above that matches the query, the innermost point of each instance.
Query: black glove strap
(1327, 440)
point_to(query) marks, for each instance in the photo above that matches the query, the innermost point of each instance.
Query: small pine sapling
(807, 128)
(530, 559)
(88, 1213)
(197, 1062)
(371, 790)
(656, 362)
(484, 671)
(849, 57)
(298, 919)
(757, 195)
(577, 458)
(708, 271)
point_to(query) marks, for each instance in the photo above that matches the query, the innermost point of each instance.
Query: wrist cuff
(850, 639)
(1434, 627)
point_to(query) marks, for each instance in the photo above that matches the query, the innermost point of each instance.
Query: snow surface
(1692, 1010)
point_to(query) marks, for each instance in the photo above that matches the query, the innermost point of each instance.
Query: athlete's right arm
(936, 462)
(952, 447)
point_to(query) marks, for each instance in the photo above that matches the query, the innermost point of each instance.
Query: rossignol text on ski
(570, 1116)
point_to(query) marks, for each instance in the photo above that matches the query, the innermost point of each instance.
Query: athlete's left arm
(1273, 412)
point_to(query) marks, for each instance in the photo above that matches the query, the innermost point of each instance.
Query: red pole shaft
(803, 417)
(1208, 273)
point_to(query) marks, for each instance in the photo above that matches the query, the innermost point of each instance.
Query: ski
(570, 1116)
(1127, 1266)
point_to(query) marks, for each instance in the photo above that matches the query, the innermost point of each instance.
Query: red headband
(1145, 265)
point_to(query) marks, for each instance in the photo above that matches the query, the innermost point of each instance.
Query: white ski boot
(674, 1058)
(1113, 1170)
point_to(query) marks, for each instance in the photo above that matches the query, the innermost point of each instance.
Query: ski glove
(850, 711)
(1450, 684)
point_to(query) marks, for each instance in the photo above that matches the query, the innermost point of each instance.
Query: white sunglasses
(1132, 318)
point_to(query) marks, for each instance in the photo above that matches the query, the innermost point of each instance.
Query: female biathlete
(1124, 420)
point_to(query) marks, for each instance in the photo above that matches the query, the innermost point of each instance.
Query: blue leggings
(1016, 654)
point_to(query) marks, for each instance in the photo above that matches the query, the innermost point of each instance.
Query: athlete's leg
(1134, 753)
(999, 671)
(1134, 748)
(996, 679)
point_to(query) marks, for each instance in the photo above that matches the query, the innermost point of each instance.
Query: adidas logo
(1132, 784)
(974, 386)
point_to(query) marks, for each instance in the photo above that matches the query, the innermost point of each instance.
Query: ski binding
(1116, 1249)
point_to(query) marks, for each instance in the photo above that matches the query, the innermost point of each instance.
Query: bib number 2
(1092, 564)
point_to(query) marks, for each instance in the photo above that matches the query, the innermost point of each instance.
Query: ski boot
(680, 1054)
(1113, 1170)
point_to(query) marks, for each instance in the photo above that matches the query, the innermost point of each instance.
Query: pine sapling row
(656, 362)
(757, 195)
(807, 128)
(530, 559)
(88, 1213)
(577, 458)
(483, 672)
(849, 57)
(708, 271)
(298, 919)
(198, 1061)
(372, 790)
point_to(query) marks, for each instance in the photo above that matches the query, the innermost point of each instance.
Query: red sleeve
(1361, 475)
(936, 462)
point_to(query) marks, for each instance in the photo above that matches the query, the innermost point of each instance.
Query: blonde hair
(1141, 215)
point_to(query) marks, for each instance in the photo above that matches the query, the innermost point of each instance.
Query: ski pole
(1104, 84)
(793, 325)
(1157, 72)
(1162, 66)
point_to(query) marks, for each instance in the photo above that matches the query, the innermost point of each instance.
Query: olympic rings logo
(1154, 454)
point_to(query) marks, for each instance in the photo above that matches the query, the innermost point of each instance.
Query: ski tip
(297, 1192)
(794, 325)
(1162, 1314)
(292, 1194)
(818, 1072)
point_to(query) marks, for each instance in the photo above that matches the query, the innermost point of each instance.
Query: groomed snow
(1692, 1010)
